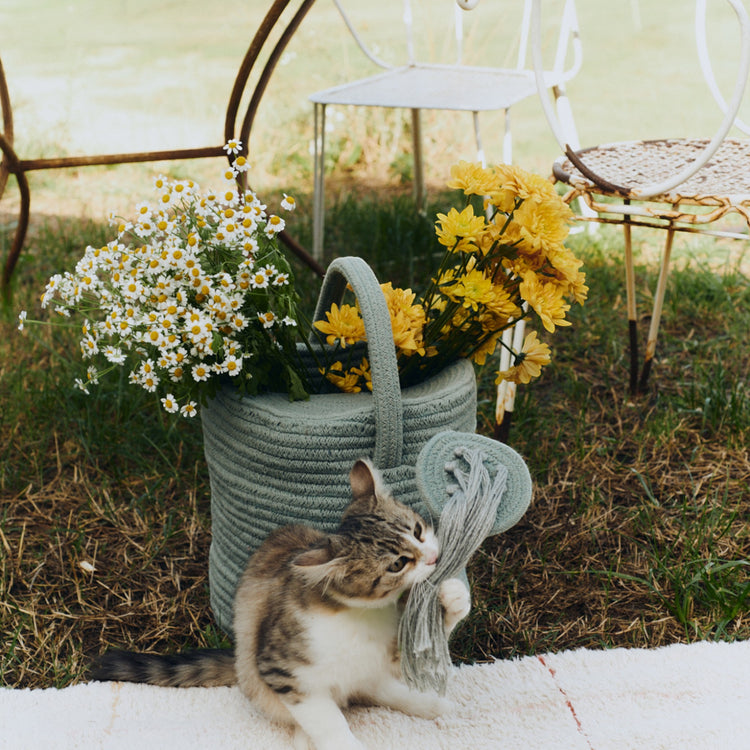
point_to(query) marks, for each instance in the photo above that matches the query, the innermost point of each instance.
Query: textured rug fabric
(677, 697)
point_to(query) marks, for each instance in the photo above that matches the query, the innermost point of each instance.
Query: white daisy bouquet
(193, 290)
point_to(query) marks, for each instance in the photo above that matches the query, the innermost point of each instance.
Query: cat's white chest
(352, 648)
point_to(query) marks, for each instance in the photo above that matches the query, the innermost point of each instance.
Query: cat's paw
(456, 601)
(433, 706)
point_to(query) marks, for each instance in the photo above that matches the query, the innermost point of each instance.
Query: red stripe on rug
(570, 706)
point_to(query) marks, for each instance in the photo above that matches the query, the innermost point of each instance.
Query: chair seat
(449, 87)
(724, 180)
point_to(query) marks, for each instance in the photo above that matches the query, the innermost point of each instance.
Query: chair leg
(318, 179)
(416, 137)
(507, 139)
(653, 332)
(478, 139)
(506, 391)
(631, 304)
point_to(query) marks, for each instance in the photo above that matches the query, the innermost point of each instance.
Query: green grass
(637, 535)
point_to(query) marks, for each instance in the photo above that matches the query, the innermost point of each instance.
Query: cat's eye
(399, 564)
(419, 532)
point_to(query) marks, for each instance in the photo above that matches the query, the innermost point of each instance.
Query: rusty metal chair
(676, 184)
(273, 34)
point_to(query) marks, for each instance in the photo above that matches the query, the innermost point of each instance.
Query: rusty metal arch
(11, 164)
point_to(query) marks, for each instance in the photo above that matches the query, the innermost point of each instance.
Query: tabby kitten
(316, 619)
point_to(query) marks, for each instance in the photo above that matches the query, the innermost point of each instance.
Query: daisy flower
(170, 404)
(200, 372)
(275, 225)
(267, 319)
(189, 409)
(232, 365)
(241, 164)
(233, 146)
(259, 280)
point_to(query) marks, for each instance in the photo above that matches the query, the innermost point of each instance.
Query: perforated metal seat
(678, 184)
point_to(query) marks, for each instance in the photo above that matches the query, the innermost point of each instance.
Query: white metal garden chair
(678, 184)
(415, 85)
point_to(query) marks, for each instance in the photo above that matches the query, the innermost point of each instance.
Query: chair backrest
(730, 109)
(453, 13)
(704, 58)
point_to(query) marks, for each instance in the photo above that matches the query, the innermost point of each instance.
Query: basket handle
(386, 390)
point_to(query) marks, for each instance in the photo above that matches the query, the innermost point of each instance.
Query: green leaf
(296, 387)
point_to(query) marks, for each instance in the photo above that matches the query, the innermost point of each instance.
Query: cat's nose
(430, 558)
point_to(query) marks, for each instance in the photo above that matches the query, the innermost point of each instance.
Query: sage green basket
(274, 462)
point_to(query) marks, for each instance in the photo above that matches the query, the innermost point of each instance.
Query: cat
(316, 619)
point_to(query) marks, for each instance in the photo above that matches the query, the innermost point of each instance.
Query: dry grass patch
(637, 534)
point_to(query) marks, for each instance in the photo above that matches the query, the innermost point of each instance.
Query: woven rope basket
(274, 462)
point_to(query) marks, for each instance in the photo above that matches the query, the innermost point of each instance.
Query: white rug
(679, 697)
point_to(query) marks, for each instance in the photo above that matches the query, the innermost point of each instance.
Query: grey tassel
(467, 519)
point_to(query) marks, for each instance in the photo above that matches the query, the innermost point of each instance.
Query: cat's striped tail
(203, 668)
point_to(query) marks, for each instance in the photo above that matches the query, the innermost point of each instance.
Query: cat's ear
(365, 481)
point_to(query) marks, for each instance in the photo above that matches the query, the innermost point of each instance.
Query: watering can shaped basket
(274, 462)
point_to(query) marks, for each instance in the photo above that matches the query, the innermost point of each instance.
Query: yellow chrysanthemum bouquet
(505, 260)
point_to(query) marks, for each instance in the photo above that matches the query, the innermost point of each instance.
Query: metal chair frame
(409, 78)
(234, 127)
(699, 178)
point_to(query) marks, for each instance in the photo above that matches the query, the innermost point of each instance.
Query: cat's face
(381, 548)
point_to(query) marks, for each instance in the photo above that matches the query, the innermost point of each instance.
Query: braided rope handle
(386, 390)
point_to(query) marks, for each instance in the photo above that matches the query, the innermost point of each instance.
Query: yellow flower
(518, 183)
(344, 325)
(363, 373)
(501, 304)
(541, 221)
(567, 269)
(460, 231)
(471, 290)
(346, 381)
(528, 362)
(407, 319)
(546, 299)
(512, 263)
(541, 227)
(473, 179)
(486, 349)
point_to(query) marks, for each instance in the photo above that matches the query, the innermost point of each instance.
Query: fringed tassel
(466, 521)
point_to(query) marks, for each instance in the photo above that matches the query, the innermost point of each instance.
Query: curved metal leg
(7, 121)
(13, 166)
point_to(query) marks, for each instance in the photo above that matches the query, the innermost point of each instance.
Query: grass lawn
(638, 531)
